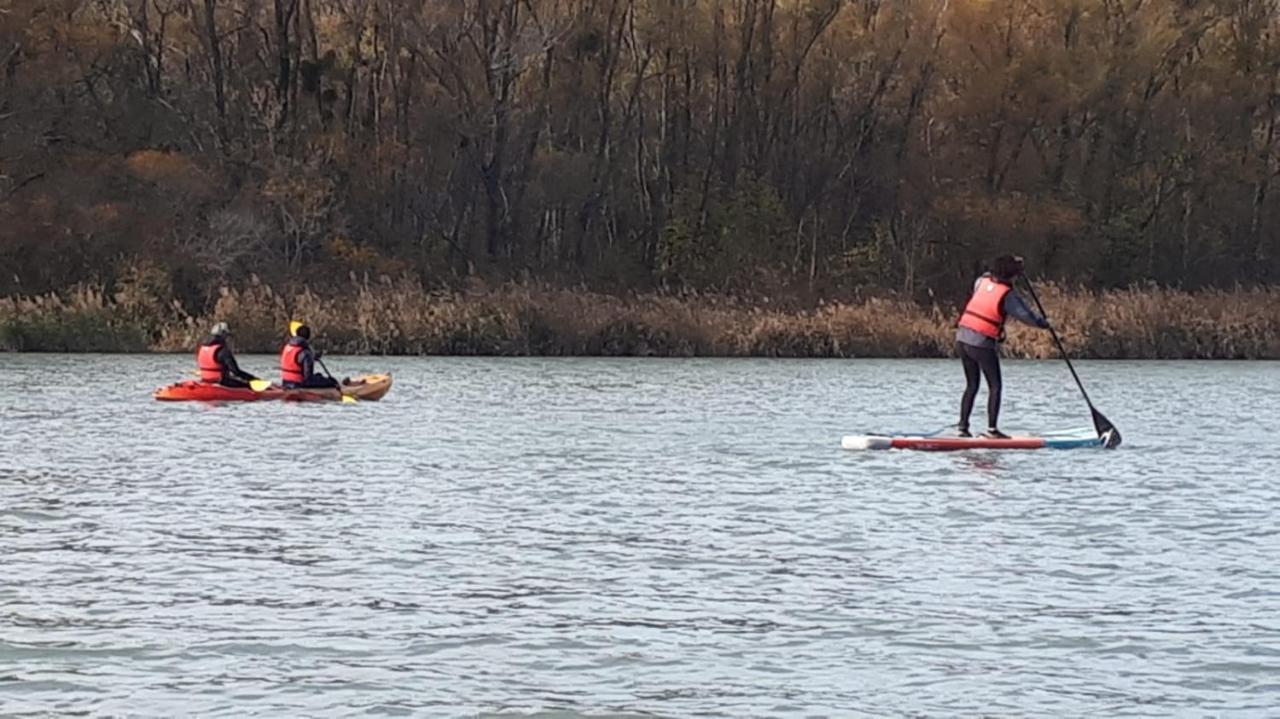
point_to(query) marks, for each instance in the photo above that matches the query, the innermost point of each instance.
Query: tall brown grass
(405, 318)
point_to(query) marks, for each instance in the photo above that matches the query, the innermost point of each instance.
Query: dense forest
(739, 146)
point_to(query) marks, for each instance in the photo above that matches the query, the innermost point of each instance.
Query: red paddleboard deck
(952, 444)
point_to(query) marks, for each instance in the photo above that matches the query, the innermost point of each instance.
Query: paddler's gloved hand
(319, 354)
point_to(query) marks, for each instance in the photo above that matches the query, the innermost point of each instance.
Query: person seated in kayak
(297, 361)
(217, 364)
(980, 332)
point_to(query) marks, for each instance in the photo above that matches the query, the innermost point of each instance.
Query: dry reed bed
(405, 318)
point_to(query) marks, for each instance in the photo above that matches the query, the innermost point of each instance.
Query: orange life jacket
(207, 362)
(985, 312)
(290, 365)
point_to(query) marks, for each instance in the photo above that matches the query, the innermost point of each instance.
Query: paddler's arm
(228, 360)
(306, 359)
(1017, 309)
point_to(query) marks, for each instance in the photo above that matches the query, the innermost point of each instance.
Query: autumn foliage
(815, 149)
(403, 317)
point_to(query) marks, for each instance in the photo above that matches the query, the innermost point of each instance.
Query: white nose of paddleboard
(858, 443)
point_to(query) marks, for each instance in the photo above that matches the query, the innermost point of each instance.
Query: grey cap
(220, 330)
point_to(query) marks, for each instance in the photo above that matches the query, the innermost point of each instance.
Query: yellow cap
(293, 327)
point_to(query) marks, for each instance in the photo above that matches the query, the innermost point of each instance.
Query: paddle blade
(348, 399)
(259, 385)
(1106, 431)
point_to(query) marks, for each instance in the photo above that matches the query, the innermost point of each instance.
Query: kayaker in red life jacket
(297, 361)
(216, 363)
(980, 332)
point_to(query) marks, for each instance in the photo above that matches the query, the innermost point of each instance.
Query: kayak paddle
(346, 399)
(257, 385)
(1107, 432)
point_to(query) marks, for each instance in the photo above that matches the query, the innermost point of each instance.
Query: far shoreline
(520, 320)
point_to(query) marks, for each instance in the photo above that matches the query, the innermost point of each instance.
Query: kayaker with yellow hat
(297, 361)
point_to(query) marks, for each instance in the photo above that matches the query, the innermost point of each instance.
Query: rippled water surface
(636, 537)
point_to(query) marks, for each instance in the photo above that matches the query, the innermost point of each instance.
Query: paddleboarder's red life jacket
(290, 365)
(985, 312)
(208, 364)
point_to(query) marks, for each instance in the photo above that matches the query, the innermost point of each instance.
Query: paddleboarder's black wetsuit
(987, 361)
(980, 354)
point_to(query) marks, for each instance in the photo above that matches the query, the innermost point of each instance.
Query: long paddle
(346, 398)
(257, 385)
(1106, 431)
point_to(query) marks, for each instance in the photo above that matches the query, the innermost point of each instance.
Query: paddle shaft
(249, 382)
(346, 399)
(1057, 340)
(327, 373)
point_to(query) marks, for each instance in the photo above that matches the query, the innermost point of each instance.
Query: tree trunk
(215, 63)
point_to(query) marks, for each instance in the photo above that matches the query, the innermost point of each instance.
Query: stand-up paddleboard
(935, 443)
(1103, 435)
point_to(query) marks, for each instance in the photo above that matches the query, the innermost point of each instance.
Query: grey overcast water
(637, 537)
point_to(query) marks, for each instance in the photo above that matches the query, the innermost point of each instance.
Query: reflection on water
(984, 463)
(635, 537)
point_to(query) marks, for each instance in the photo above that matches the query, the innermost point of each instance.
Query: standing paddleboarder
(980, 332)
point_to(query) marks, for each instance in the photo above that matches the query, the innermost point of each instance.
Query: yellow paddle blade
(348, 399)
(259, 385)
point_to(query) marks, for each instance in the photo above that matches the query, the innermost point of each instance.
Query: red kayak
(370, 388)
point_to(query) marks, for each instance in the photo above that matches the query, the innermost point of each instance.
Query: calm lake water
(586, 537)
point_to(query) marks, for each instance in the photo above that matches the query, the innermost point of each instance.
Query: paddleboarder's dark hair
(304, 332)
(1007, 267)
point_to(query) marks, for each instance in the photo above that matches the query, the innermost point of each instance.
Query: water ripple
(633, 538)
